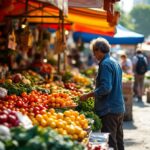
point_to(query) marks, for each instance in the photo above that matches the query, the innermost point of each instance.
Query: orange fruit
(60, 116)
(60, 131)
(53, 105)
(39, 117)
(75, 136)
(75, 113)
(85, 126)
(56, 95)
(57, 105)
(68, 120)
(49, 120)
(60, 124)
(72, 118)
(63, 104)
(35, 122)
(82, 135)
(53, 125)
(53, 100)
(43, 123)
(45, 116)
(78, 130)
(71, 130)
(67, 113)
(82, 116)
(52, 110)
(64, 132)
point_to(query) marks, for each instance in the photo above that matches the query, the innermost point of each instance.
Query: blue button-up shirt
(108, 92)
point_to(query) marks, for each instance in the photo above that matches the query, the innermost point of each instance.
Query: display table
(128, 96)
(98, 141)
(148, 95)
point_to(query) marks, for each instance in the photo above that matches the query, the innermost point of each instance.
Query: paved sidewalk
(137, 132)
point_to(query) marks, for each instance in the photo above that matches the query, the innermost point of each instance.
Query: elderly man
(109, 103)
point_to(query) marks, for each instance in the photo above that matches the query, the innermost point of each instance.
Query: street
(137, 132)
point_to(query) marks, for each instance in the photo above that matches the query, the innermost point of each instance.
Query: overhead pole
(63, 39)
(26, 8)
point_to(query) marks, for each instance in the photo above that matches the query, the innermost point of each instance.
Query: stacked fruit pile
(68, 123)
(82, 80)
(36, 102)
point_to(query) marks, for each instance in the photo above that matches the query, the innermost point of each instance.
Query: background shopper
(140, 66)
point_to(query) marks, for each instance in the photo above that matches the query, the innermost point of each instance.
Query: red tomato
(43, 111)
(24, 94)
(36, 108)
(19, 103)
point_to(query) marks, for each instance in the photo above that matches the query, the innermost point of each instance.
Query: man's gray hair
(100, 44)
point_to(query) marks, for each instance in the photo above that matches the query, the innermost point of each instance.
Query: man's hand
(86, 96)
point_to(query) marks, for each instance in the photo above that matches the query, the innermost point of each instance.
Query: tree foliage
(141, 19)
(125, 18)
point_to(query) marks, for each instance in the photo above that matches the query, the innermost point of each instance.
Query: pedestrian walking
(140, 66)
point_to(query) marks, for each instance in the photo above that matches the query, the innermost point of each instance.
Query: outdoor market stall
(34, 102)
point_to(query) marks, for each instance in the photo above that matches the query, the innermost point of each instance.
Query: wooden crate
(128, 106)
(148, 96)
(127, 88)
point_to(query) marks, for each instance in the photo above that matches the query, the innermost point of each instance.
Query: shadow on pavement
(129, 125)
(140, 103)
(129, 142)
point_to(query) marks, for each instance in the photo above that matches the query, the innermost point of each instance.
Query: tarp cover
(122, 36)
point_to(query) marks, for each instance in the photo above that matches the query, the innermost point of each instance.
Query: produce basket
(85, 141)
(127, 87)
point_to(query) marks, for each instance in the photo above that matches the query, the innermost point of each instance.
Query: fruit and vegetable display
(81, 80)
(19, 84)
(37, 138)
(89, 72)
(16, 88)
(57, 119)
(33, 76)
(127, 77)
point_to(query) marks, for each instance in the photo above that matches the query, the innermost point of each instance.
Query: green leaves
(97, 125)
(87, 105)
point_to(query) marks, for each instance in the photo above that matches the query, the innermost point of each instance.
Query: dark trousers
(138, 85)
(112, 123)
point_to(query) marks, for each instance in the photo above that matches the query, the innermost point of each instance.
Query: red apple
(3, 118)
(7, 124)
(12, 119)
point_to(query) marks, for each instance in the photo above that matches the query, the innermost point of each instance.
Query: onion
(3, 92)
(4, 133)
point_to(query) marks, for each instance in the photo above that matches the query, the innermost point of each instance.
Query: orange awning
(80, 19)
